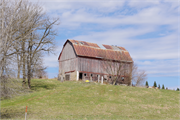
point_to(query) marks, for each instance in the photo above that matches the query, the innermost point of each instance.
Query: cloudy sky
(148, 29)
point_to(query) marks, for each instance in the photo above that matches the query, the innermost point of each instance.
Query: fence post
(26, 113)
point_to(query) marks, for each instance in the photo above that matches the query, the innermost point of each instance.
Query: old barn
(80, 60)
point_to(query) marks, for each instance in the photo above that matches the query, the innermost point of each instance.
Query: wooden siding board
(69, 65)
(90, 65)
(68, 52)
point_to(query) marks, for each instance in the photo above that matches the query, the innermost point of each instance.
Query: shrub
(155, 85)
(147, 83)
(177, 89)
(163, 86)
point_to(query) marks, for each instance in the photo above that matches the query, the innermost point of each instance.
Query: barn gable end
(67, 61)
(67, 52)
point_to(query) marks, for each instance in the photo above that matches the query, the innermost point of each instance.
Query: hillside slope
(52, 99)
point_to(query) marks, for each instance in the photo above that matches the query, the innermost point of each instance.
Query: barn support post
(62, 76)
(102, 80)
(91, 78)
(98, 78)
(77, 76)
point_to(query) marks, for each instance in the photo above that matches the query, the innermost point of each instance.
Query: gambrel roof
(92, 50)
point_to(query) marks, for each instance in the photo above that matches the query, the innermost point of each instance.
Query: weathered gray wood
(90, 65)
(98, 78)
(68, 60)
(67, 52)
(101, 79)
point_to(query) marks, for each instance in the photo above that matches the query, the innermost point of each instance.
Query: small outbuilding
(80, 60)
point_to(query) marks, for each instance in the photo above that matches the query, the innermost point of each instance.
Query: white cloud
(139, 4)
(156, 68)
(74, 13)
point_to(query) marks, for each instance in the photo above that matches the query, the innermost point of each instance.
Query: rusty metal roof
(84, 43)
(122, 48)
(87, 49)
(108, 47)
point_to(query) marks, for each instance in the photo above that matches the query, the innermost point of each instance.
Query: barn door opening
(67, 77)
(80, 76)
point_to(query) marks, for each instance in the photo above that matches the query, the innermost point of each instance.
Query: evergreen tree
(159, 86)
(177, 89)
(147, 83)
(163, 86)
(155, 85)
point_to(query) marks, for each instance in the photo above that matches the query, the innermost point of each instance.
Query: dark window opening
(91, 75)
(109, 76)
(80, 76)
(67, 77)
(122, 78)
(84, 74)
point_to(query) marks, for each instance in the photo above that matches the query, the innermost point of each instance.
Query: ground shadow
(38, 86)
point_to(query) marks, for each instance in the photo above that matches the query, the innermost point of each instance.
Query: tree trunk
(24, 63)
(114, 82)
(19, 66)
(3, 79)
(29, 74)
(29, 63)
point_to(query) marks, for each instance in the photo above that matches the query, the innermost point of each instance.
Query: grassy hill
(51, 99)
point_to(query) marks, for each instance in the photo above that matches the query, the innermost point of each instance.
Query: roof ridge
(100, 48)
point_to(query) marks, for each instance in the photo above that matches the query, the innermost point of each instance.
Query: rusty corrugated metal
(84, 43)
(93, 50)
(122, 48)
(83, 50)
(108, 47)
(92, 44)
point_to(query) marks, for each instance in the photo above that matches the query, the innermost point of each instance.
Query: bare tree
(138, 76)
(117, 67)
(25, 31)
(39, 70)
(16, 26)
(41, 40)
(9, 29)
(121, 68)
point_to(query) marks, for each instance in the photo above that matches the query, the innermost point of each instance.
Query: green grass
(52, 99)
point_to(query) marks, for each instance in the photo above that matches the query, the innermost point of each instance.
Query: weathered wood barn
(80, 60)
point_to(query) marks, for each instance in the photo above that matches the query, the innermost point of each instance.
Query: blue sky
(148, 29)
